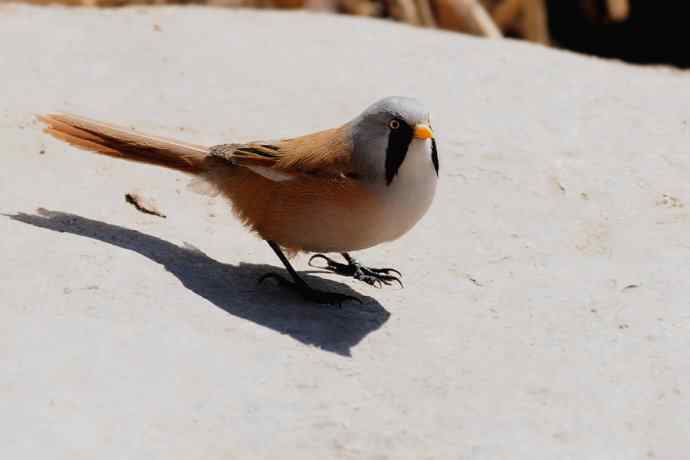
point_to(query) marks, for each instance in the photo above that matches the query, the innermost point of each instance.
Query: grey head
(382, 136)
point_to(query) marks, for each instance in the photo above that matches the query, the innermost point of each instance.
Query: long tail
(119, 142)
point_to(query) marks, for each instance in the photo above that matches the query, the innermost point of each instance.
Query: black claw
(300, 286)
(317, 256)
(313, 295)
(330, 263)
(386, 271)
(376, 277)
(397, 280)
(380, 280)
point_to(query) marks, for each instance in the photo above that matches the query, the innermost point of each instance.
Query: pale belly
(385, 213)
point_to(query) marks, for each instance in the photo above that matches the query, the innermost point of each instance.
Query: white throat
(409, 195)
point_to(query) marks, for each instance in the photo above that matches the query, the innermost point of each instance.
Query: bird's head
(386, 133)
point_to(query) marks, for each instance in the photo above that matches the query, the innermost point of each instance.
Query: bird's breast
(319, 215)
(408, 197)
(371, 214)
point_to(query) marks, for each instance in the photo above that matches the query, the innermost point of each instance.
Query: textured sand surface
(546, 312)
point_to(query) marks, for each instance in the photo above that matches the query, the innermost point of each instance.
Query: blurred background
(639, 31)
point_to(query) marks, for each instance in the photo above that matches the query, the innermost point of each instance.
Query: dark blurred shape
(639, 31)
(654, 32)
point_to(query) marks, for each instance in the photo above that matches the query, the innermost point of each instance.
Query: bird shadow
(234, 288)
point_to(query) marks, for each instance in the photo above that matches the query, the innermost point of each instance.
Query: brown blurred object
(637, 31)
(526, 19)
(357, 7)
(603, 11)
(469, 16)
(523, 18)
(121, 3)
(619, 10)
(466, 16)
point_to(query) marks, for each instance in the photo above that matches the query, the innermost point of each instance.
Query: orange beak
(423, 132)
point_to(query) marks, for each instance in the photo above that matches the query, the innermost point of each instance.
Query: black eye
(394, 124)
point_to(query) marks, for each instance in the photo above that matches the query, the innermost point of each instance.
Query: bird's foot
(376, 277)
(311, 294)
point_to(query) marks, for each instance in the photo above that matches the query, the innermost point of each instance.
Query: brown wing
(325, 153)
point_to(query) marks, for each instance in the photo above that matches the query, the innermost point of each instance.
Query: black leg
(376, 277)
(301, 286)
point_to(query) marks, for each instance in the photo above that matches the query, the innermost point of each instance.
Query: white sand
(546, 312)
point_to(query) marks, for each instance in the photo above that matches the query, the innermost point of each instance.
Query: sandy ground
(546, 312)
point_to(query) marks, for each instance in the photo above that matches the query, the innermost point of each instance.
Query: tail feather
(110, 140)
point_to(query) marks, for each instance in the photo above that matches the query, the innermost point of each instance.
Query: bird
(339, 190)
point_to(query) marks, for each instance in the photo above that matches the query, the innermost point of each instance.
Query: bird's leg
(301, 286)
(376, 277)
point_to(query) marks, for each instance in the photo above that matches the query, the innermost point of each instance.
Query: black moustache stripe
(398, 143)
(434, 155)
